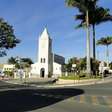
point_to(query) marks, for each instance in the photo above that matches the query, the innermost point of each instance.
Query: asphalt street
(92, 98)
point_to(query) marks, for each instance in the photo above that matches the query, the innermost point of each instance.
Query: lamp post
(20, 71)
(73, 68)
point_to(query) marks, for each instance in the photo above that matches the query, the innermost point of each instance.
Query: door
(42, 72)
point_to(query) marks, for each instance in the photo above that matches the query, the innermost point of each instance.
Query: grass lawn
(78, 77)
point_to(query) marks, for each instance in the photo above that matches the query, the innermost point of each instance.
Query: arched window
(42, 60)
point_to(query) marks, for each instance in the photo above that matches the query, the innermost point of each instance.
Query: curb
(62, 85)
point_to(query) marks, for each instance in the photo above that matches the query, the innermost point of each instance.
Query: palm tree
(23, 62)
(84, 6)
(12, 60)
(96, 16)
(106, 41)
(26, 62)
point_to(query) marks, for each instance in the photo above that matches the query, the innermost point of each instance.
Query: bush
(82, 75)
(9, 73)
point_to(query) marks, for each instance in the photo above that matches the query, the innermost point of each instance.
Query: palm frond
(79, 4)
(81, 16)
(105, 41)
(81, 25)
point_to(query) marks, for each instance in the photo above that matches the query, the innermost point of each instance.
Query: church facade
(48, 64)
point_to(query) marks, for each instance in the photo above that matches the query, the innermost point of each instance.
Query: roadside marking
(102, 100)
(58, 97)
(94, 100)
(71, 98)
(43, 94)
(82, 98)
(109, 101)
(36, 94)
(50, 95)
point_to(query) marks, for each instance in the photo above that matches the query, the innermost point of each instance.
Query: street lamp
(20, 71)
(73, 68)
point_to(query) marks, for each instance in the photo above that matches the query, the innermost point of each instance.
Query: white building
(8, 67)
(48, 64)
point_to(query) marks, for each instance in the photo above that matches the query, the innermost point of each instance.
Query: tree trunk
(88, 45)
(107, 56)
(94, 43)
(94, 48)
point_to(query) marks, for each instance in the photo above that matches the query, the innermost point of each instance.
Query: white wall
(8, 67)
(57, 69)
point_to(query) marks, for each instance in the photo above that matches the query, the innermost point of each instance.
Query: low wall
(63, 81)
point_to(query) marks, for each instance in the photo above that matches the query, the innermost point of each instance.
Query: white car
(1, 74)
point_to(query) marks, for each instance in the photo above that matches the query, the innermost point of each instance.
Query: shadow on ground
(30, 99)
(4, 85)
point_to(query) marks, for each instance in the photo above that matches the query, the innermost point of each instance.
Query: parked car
(1, 74)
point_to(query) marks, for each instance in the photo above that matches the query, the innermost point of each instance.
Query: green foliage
(96, 16)
(70, 77)
(82, 5)
(7, 38)
(24, 62)
(81, 65)
(110, 65)
(105, 41)
(71, 61)
(81, 76)
(95, 66)
(9, 73)
(12, 60)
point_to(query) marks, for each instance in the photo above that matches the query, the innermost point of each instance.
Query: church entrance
(42, 72)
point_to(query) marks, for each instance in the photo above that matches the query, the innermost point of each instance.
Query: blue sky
(29, 17)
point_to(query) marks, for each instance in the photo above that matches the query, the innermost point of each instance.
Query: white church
(48, 64)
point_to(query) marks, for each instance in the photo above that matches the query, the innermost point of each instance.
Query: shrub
(9, 73)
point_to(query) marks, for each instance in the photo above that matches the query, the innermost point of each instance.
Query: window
(42, 60)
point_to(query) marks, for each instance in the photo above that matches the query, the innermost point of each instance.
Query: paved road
(93, 98)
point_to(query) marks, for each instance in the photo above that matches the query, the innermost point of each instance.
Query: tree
(106, 41)
(7, 38)
(24, 62)
(110, 65)
(95, 66)
(68, 65)
(84, 6)
(97, 15)
(81, 65)
(73, 60)
(12, 60)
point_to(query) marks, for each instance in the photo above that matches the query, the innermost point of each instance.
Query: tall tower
(45, 59)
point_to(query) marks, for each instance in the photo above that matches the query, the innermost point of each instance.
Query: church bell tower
(45, 58)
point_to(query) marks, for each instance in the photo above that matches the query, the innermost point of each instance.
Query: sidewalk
(47, 83)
